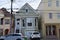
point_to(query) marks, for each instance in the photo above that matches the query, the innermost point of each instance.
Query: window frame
(58, 15)
(49, 3)
(57, 3)
(50, 15)
(30, 24)
(7, 20)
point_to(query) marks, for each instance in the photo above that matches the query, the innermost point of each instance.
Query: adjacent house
(26, 20)
(50, 13)
(4, 22)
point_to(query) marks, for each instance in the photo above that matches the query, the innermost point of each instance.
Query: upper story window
(49, 3)
(7, 21)
(18, 19)
(1, 21)
(57, 3)
(24, 22)
(29, 24)
(35, 21)
(58, 15)
(17, 23)
(50, 15)
(26, 10)
(29, 21)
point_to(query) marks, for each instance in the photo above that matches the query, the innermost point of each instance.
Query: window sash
(57, 3)
(7, 21)
(58, 15)
(29, 24)
(49, 3)
(50, 15)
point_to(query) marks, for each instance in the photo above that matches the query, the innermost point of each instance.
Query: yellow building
(4, 22)
(50, 13)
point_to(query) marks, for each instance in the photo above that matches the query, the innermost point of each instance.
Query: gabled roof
(28, 7)
(5, 12)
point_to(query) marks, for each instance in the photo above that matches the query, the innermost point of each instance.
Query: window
(50, 30)
(17, 30)
(7, 21)
(26, 10)
(1, 21)
(50, 15)
(29, 24)
(49, 3)
(18, 23)
(18, 19)
(58, 15)
(23, 22)
(57, 3)
(35, 21)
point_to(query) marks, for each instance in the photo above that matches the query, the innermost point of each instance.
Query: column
(47, 28)
(51, 30)
(20, 24)
(36, 23)
(15, 25)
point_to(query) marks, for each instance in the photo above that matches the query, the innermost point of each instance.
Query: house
(50, 13)
(26, 20)
(5, 18)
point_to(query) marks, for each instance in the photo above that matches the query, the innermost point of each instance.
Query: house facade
(50, 13)
(26, 20)
(4, 22)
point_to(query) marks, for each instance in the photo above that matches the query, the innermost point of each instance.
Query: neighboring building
(4, 22)
(50, 13)
(26, 20)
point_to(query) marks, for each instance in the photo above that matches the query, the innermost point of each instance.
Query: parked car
(35, 35)
(12, 36)
(2, 37)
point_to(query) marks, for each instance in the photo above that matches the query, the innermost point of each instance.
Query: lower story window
(17, 30)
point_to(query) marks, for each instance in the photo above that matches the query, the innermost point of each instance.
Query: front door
(6, 31)
(50, 31)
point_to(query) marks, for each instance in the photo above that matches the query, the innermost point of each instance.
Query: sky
(19, 3)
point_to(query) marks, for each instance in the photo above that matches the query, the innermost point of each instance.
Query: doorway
(6, 31)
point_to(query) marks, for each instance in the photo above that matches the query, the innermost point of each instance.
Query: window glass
(57, 3)
(58, 15)
(24, 22)
(49, 3)
(18, 19)
(18, 23)
(1, 21)
(50, 15)
(26, 10)
(7, 21)
(17, 30)
(29, 24)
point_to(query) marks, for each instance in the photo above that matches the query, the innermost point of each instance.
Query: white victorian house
(26, 20)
